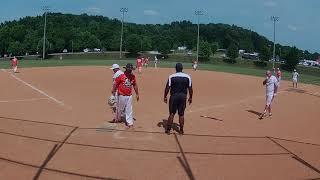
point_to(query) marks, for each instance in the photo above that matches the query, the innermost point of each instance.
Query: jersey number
(127, 83)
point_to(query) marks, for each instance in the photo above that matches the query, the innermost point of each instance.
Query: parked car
(97, 50)
(86, 50)
(65, 51)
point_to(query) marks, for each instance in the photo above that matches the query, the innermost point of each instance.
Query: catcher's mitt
(111, 101)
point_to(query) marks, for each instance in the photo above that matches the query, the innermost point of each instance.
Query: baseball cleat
(262, 115)
(113, 121)
(181, 132)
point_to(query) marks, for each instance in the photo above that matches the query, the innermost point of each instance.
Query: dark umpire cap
(179, 67)
(129, 66)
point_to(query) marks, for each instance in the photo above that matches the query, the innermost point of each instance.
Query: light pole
(45, 9)
(198, 13)
(123, 10)
(274, 19)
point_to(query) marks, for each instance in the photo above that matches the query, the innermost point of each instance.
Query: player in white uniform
(155, 61)
(271, 83)
(278, 74)
(117, 72)
(195, 65)
(295, 76)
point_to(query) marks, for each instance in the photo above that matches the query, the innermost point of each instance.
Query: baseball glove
(111, 101)
(264, 82)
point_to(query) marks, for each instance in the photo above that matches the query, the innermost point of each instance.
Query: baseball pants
(269, 99)
(195, 66)
(124, 104)
(295, 80)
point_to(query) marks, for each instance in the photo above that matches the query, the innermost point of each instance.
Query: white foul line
(23, 100)
(40, 91)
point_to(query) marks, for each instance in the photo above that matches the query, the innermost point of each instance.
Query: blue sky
(299, 19)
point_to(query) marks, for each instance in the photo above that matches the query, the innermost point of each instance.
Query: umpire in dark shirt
(178, 84)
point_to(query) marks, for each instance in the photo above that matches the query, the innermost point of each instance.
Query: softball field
(54, 125)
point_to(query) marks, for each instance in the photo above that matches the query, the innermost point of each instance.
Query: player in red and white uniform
(14, 64)
(139, 64)
(123, 86)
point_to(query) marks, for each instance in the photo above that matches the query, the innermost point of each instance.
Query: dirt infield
(54, 125)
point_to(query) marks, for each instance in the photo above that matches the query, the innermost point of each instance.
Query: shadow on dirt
(301, 91)
(254, 112)
(164, 123)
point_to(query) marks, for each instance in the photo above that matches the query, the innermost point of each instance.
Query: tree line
(77, 32)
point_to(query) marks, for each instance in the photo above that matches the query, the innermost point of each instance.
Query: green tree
(133, 43)
(59, 45)
(246, 44)
(214, 47)
(18, 32)
(87, 31)
(164, 47)
(146, 43)
(93, 42)
(86, 40)
(315, 56)
(292, 59)
(30, 42)
(205, 50)
(40, 46)
(16, 48)
(232, 51)
(114, 44)
(265, 53)
(307, 55)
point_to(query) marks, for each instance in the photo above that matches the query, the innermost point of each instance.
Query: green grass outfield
(229, 68)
